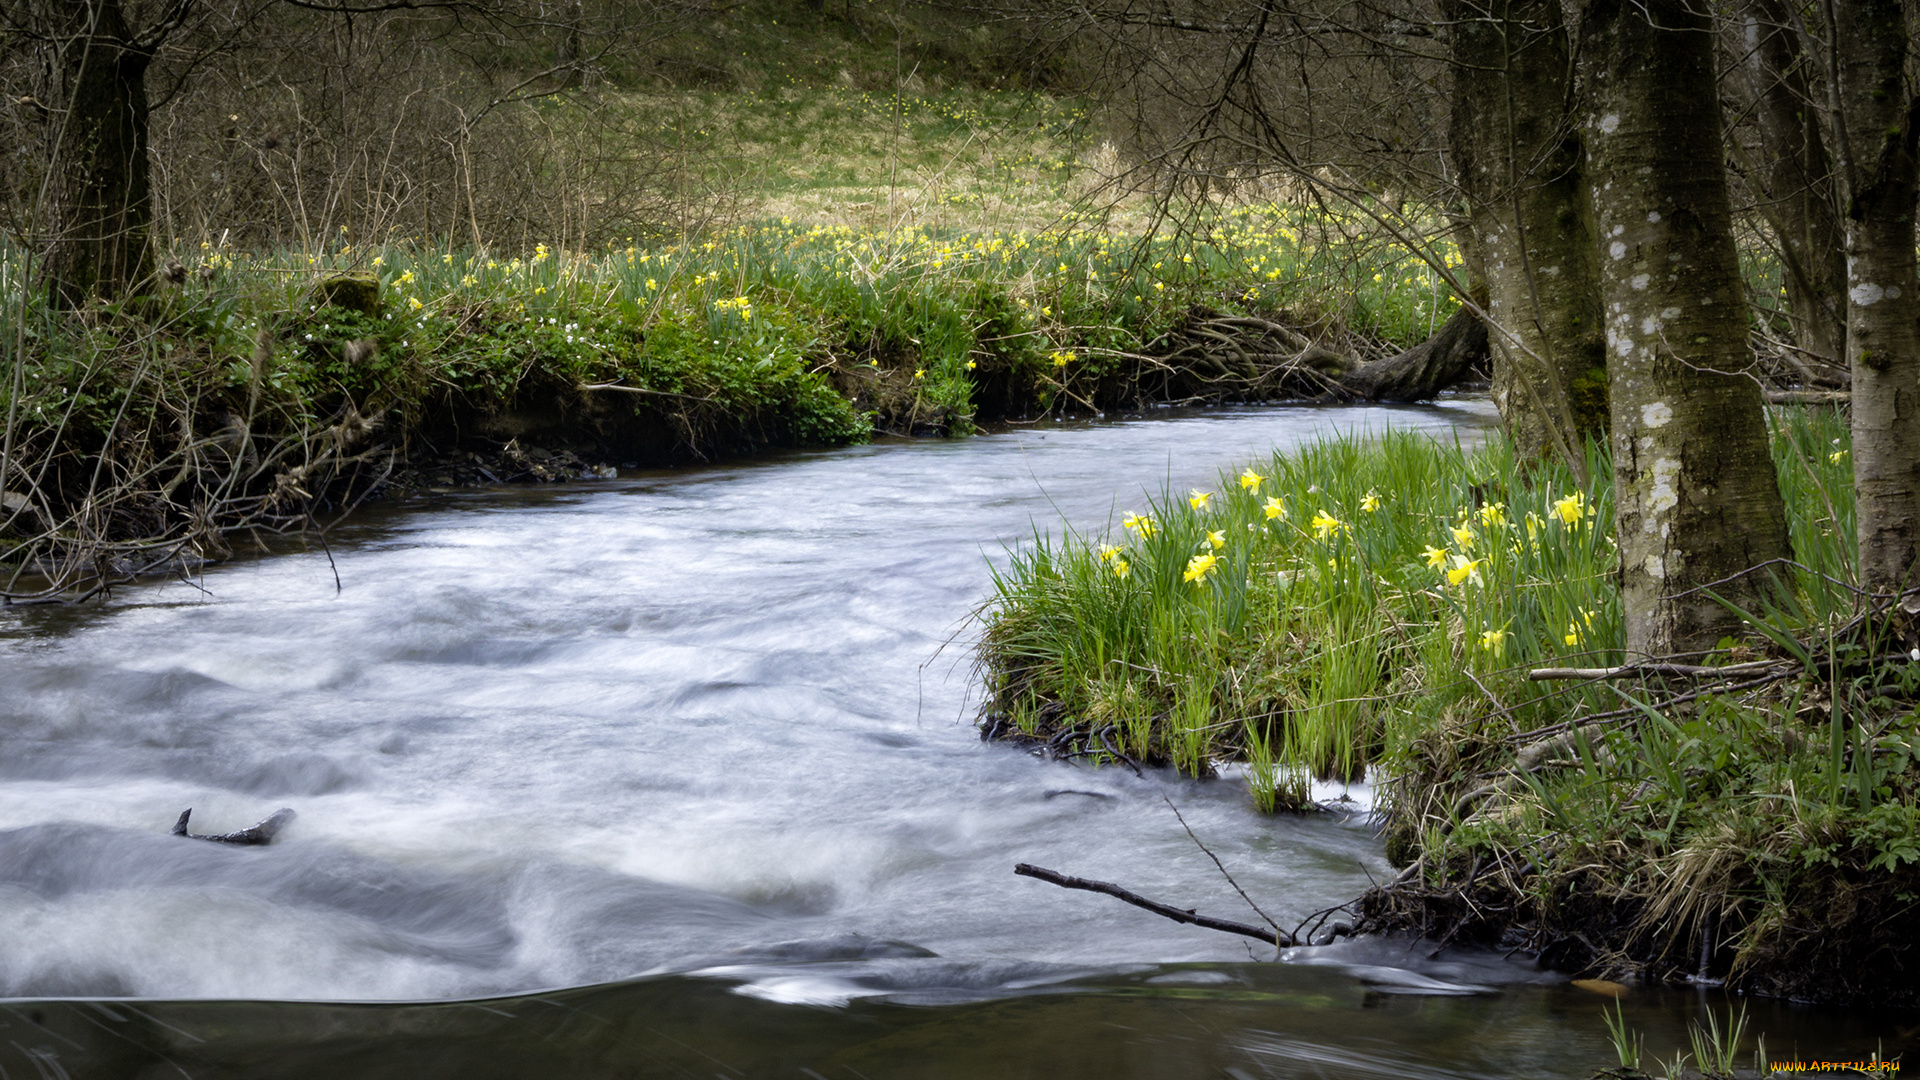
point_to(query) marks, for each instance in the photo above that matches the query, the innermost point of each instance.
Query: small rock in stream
(261, 833)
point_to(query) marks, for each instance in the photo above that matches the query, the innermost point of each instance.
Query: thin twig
(1223, 867)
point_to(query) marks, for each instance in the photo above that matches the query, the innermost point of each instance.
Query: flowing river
(675, 775)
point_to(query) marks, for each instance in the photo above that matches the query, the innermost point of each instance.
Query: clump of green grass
(1285, 615)
(1378, 603)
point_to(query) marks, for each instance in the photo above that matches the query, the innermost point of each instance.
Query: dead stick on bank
(1273, 937)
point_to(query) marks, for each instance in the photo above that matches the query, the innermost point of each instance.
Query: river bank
(257, 391)
(1378, 607)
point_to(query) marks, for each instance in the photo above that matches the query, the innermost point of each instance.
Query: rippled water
(706, 729)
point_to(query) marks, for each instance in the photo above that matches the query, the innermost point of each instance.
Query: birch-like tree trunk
(1877, 125)
(1696, 501)
(1519, 159)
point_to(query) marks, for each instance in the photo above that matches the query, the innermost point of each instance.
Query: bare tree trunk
(102, 204)
(1878, 130)
(1520, 167)
(1797, 184)
(1695, 496)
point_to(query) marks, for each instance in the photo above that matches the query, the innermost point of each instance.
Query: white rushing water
(669, 722)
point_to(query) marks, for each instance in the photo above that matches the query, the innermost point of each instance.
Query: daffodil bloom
(1062, 358)
(1139, 523)
(1436, 557)
(1108, 552)
(1464, 536)
(1275, 508)
(1835, 457)
(919, 373)
(1121, 568)
(1493, 515)
(1198, 499)
(971, 365)
(406, 278)
(1371, 502)
(1199, 567)
(413, 302)
(1325, 524)
(1494, 641)
(1573, 633)
(1217, 539)
(1464, 569)
(1250, 480)
(1533, 526)
(1570, 509)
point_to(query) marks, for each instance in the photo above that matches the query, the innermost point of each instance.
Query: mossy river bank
(676, 773)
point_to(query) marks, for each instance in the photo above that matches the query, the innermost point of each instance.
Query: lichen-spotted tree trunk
(1519, 161)
(1795, 179)
(1695, 497)
(101, 195)
(1877, 117)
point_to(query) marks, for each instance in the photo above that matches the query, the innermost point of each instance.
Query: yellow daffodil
(1836, 457)
(1573, 633)
(1140, 524)
(919, 373)
(1250, 481)
(414, 304)
(1494, 641)
(1371, 502)
(1108, 552)
(1436, 557)
(1493, 515)
(1198, 499)
(1464, 536)
(1217, 539)
(1325, 524)
(1275, 508)
(971, 365)
(1464, 569)
(1121, 568)
(1570, 509)
(1062, 358)
(1199, 567)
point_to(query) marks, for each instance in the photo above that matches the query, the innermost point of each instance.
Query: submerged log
(260, 833)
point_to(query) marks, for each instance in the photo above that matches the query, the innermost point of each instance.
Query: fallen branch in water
(1274, 937)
